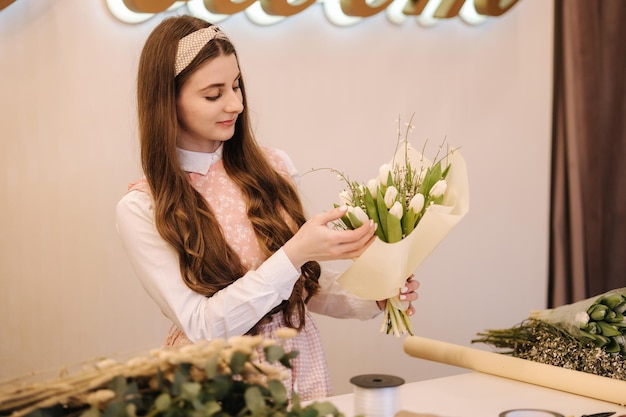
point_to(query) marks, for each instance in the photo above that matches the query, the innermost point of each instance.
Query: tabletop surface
(476, 394)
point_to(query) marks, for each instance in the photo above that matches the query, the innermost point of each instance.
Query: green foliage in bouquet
(209, 379)
(589, 336)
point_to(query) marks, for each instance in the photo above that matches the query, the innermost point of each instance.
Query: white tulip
(345, 198)
(417, 203)
(390, 196)
(396, 210)
(582, 318)
(373, 187)
(359, 214)
(383, 173)
(438, 189)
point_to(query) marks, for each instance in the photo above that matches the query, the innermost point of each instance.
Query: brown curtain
(588, 202)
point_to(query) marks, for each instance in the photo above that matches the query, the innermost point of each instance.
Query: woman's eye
(213, 98)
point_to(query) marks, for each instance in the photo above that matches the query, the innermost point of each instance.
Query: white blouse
(237, 308)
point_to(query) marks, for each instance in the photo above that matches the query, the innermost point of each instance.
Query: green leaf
(190, 390)
(608, 330)
(597, 311)
(587, 335)
(621, 325)
(221, 386)
(237, 361)
(115, 409)
(354, 221)
(592, 328)
(372, 212)
(436, 172)
(394, 229)
(254, 400)
(286, 360)
(180, 377)
(613, 317)
(383, 213)
(91, 412)
(119, 386)
(613, 300)
(444, 174)
(274, 353)
(601, 340)
(613, 346)
(160, 379)
(162, 402)
(409, 221)
(212, 407)
(278, 391)
(433, 174)
(346, 220)
(324, 408)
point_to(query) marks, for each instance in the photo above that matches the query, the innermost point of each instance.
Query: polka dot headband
(190, 45)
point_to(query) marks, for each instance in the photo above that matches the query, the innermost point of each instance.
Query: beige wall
(329, 96)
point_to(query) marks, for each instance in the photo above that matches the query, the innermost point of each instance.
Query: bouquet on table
(588, 336)
(239, 377)
(415, 202)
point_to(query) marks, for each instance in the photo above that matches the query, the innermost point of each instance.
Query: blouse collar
(198, 162)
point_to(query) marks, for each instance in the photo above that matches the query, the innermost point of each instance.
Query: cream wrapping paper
(555, 377)
(382, 269)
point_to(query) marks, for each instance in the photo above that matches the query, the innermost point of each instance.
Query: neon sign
(339, 12)
(5, 3)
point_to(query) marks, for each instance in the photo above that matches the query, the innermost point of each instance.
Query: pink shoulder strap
(139, 185)
(277, 162)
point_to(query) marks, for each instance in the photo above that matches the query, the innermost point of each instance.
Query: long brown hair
(183, 217)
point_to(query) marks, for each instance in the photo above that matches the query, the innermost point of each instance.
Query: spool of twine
(376, 395)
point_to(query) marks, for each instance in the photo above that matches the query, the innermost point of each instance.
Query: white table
(476, 394)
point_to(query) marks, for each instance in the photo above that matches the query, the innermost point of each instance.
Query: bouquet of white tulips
(415, 203)
(588, 334)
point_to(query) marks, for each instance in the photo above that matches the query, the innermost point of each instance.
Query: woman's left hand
(408, 293)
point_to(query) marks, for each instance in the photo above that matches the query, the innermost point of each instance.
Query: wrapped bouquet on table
(588, 335)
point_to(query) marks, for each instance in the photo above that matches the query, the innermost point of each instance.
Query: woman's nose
(235, 102)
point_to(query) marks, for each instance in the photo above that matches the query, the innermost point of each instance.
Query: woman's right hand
(315, 241)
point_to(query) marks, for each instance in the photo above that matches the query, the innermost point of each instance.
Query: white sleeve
(334, 301)
(229, 312)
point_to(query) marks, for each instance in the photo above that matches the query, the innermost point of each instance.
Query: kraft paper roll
(555, 377)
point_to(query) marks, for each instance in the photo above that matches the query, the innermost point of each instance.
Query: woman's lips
(227, 123)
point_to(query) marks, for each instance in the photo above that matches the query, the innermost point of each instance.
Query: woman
(215, 230)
